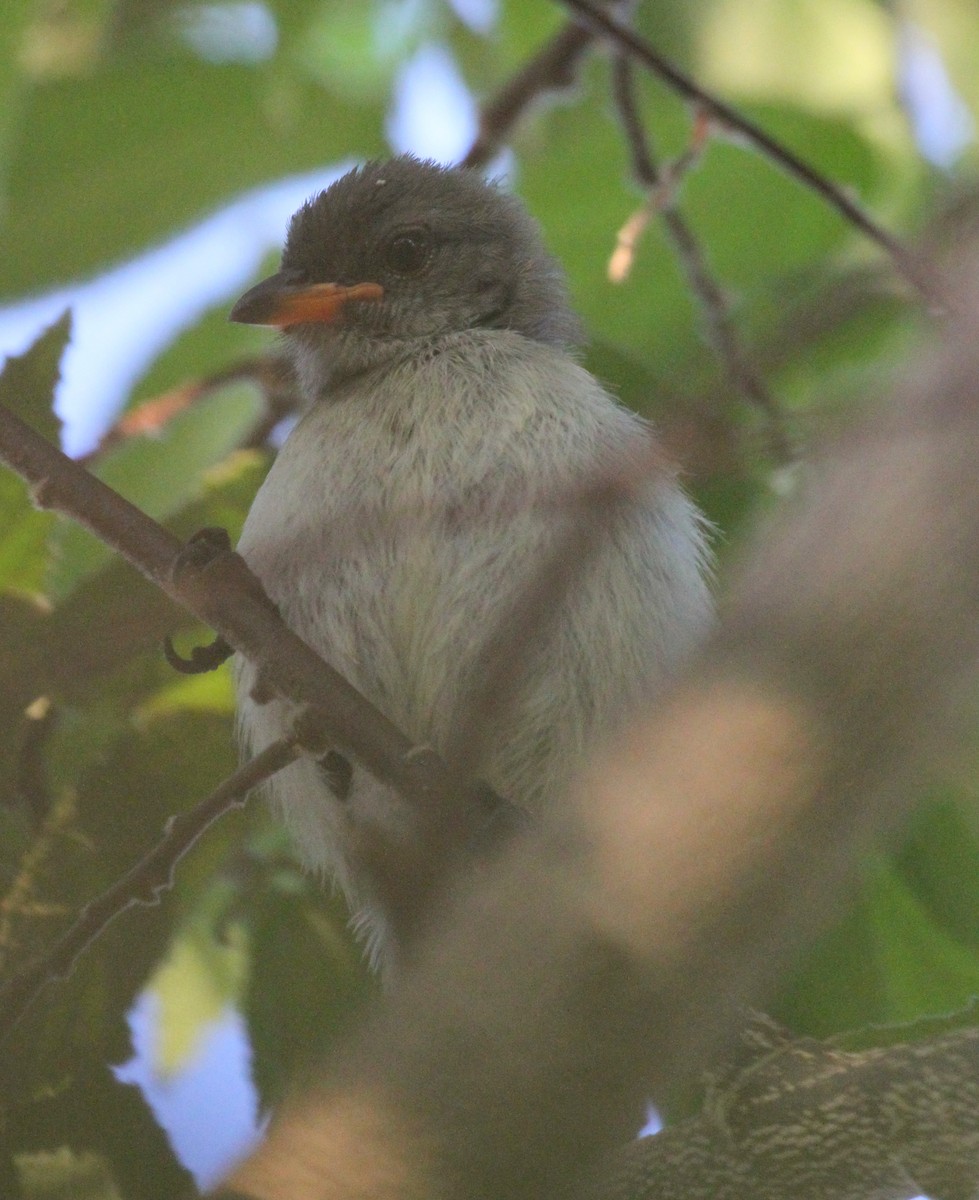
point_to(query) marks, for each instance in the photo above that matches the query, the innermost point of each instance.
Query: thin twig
(143, 884)
(723, 336)
(731, 121)
(18, 900)
(720, 330)
(551, 69)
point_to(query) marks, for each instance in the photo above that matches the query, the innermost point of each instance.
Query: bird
(445, 407)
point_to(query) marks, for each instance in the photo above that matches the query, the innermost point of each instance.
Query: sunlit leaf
(196, 693)
(198, 980)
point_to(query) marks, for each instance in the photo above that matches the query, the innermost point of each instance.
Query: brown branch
(552, 69)
(720, 329)
(220, 590)
(142, 885)
(911, 266)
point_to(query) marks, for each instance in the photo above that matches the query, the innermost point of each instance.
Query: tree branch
(143, 884)
(721, 333)
(910, 265)
(220, 590)
(552, 69)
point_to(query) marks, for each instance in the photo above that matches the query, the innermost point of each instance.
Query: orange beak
(277, 301)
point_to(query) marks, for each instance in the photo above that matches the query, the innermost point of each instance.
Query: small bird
(435, 348)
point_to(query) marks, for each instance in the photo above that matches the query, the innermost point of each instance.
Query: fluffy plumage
(415, 496)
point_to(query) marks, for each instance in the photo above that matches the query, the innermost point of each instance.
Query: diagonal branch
(143, 884)
(551, 69)
(720, 329)
(731, 121)
(222, 592)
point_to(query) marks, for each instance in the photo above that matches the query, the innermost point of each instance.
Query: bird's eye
(408, 252)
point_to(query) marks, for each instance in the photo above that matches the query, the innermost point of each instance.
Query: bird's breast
(387, 528)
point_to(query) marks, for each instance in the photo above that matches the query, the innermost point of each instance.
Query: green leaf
(356, 49)
(924, 970)
(651, 309)
(524, 28)
(29, 379)
(115, 161)
(212, 693)
(201, 976)
(887, 962)
(756, 220)
(27, 386)
(161, 474)
(940, 863)
(59, 1174)
(308, 975)
(16, 20)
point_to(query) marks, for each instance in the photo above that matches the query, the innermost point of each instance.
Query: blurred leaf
(211, 693)
(830, 54)
(940, 863)
(926, 970)
(651, 311)
(308, 975)
(886, 963)
(799, 228)
(28, 380)
(521, 29)
(16, 20)
(65, 1175)
(202, 975)
(356, 49)
(137, 150)
(160, 474)
(27, 385)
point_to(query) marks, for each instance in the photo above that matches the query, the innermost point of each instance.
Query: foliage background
(120, 125)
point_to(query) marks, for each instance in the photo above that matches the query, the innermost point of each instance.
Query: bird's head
(396, 253)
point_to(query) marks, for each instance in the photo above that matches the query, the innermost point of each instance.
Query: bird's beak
(281, 302)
